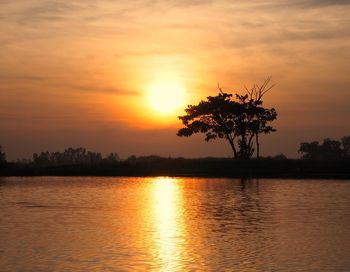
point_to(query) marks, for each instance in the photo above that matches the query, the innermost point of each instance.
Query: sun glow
(165, 96)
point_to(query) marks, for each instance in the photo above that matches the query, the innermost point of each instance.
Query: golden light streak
(169, 223)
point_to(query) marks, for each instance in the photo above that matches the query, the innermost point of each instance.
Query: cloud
(95, 89)
(311, 3)
(46, 47)
(308, 3)
(188, 2)
(21, 78)
(33, 12)
(46, 11)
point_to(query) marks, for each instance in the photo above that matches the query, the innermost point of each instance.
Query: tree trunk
(232, 144)
(242, 147)
(250, 146)
(257, 146)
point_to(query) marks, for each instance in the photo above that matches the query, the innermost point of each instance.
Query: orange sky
(78, 73)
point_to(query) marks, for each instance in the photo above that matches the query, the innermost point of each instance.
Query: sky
(80, 72)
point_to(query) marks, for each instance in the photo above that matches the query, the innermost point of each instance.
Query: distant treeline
(81, 162)
(206, 167)
(72, 156)
(328, 150)
(331, 159)
(2, 155)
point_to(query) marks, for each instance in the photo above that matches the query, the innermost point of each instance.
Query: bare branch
(220, 90)
(257, 92)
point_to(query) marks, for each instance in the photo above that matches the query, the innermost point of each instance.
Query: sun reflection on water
(168, 223)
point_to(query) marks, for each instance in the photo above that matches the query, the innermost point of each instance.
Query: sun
(166, 96)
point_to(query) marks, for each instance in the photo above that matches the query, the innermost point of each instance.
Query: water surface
(173, 224)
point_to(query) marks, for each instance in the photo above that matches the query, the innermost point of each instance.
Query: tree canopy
(329, 149)
(237, 118)
(73, 156)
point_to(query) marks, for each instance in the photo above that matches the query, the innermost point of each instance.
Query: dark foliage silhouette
(73, 156)
(328, 150)
(346, 146)
(239, 121)
(112, 158)
(277, 157)
(273, 167)
(144, 159)
(2, 155)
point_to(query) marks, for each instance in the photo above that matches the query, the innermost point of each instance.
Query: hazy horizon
(80, 73)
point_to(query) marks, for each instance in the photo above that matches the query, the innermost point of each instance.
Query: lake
(173, 224)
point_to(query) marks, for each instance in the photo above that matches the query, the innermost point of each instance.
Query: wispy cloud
(105, 48)
(17, 77)
(315, 3)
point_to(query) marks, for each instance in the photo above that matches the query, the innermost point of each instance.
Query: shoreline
(179, 167)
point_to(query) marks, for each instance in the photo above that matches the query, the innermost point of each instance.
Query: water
(173, 224)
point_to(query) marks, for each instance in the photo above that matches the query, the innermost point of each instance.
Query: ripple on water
(174, 224)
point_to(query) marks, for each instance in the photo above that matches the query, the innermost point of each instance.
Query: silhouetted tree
(2, 155)
(42, 159)
(112, 158)
(239, 121)
(345, 141)
(279, 157)
(72, 156)
(132, 158)
(329, 149)
(310, 150)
